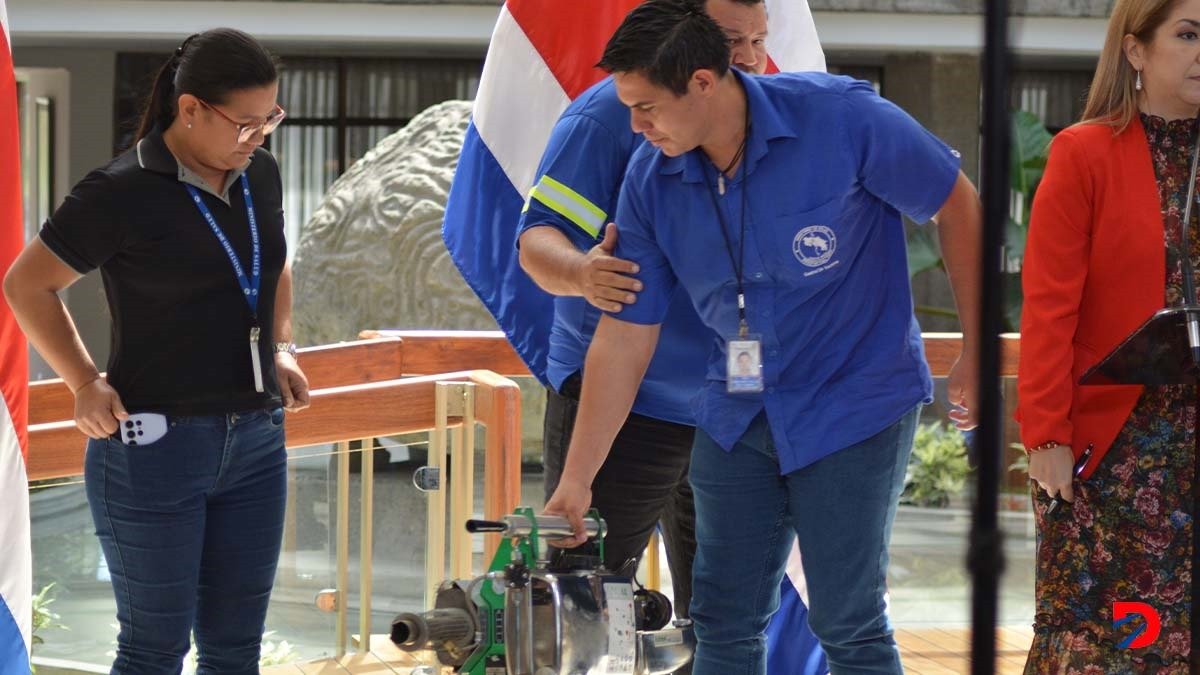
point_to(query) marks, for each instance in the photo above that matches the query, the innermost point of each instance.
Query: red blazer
(1094, 270)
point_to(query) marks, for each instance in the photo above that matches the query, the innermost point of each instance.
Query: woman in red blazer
(1103, 255)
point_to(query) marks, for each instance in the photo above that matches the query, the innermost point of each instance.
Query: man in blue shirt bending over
(566, 249)
(774, 204)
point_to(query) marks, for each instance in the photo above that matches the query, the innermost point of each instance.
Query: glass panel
(308, 164)
(308, 562)
(308, 88)
(67, 554)
(402, 88)
(928, 583)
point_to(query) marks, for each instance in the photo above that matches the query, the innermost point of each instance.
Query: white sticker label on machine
(622, 629)
(667, 638)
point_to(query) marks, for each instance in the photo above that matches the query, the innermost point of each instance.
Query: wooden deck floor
(926, 651)
(944, 651)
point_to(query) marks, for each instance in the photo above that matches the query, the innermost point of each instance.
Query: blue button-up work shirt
(829, 168)
(578, 183)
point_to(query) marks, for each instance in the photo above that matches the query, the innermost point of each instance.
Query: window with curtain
(1056, 96)
(338, 109)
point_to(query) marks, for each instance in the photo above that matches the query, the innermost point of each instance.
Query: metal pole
(435, 542)
(467, 476)
(462, 486)
(986, 555)
(343, 545)
(366, 533)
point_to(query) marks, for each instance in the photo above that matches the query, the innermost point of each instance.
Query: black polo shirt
(180, 323)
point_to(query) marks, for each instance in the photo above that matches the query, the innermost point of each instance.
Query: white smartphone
(143, 428)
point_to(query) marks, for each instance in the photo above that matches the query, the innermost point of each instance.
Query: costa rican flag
(540, 58)
(16, 571)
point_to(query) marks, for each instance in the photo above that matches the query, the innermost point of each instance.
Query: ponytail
(209, 66)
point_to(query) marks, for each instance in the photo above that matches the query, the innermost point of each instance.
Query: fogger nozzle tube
(414, 632)
(550, 527)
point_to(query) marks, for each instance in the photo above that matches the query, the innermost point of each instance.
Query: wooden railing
(334, 372)
(427, 351)
(56, 446)
(437, 351)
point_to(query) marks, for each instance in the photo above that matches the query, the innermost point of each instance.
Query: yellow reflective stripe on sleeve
(569, 204)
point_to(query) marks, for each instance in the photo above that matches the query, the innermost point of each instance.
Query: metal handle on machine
(548, 527)
(518, 631)
(475, 526)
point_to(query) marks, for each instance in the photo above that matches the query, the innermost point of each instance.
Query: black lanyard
(738, 263)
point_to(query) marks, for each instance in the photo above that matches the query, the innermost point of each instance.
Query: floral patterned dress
(1128, 536)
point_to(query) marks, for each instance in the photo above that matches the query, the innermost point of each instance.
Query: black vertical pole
(986, 555)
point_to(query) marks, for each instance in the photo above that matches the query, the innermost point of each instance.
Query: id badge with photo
(743, 365)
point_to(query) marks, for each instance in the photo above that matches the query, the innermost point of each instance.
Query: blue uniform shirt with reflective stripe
(578, 183)
(830, 167)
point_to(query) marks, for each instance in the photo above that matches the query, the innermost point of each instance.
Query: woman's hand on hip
(1054, 470)
(98, 409)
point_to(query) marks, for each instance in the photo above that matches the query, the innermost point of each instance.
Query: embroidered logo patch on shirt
(814, 245)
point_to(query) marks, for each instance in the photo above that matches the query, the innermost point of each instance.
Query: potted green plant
(938, 469)
(1030, 149)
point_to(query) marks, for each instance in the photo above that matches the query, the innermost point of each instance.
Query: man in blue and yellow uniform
(566, 249)
(774, 204)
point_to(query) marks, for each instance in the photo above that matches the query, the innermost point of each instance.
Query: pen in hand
(1079, 464)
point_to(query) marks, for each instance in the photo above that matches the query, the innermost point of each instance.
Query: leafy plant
(1030, 148)
(938, 468)
(1022, 462)
(43, 617)
(276, 653)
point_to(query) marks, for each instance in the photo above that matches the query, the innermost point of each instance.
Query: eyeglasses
(247, 130)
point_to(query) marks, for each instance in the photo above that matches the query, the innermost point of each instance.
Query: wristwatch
(289, 347)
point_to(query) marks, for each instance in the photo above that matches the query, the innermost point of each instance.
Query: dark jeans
(191, 527)
(644, 480)
(840, 508)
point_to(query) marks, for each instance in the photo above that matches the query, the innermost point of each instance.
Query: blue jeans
(841, 509)
(191, 527)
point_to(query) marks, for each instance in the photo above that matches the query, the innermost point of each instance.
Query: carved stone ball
(372, 255)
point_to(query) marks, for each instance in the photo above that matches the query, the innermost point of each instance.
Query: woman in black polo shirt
(185, 469)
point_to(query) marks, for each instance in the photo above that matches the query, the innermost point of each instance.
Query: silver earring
(1139, 87)
(1138, 84)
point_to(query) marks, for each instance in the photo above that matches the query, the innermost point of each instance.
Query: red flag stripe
(572, 54)
(14, 361)
(570, 36)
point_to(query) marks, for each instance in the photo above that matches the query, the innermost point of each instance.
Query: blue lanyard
(250, 285)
